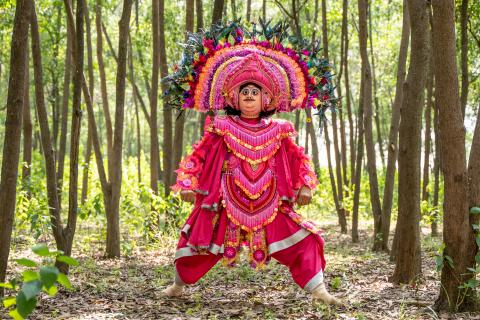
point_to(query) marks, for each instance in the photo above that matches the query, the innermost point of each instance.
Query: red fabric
(304, 259)
(206, 225)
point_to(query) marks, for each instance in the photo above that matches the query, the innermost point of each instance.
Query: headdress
(292, 74)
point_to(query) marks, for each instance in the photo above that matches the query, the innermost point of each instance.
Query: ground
(129, 288)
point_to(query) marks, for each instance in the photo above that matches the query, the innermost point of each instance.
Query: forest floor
(130, 287)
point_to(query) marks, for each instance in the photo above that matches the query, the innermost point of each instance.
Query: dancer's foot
(174, 290)
(321, 293)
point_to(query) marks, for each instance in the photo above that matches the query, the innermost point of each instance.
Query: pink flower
(259, 255)
(187, 182)
(230, 252)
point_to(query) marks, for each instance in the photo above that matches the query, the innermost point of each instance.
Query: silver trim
(187, 251)
(314, 282)
(288, 242)
(185, 228)
(212, 207)
(184, 252)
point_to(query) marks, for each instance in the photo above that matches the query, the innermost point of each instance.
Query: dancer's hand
(304, 196)
(187, 195)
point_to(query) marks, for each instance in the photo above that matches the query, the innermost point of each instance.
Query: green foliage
(37, 278)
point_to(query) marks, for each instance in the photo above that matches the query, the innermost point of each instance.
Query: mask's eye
(245, 91)
(255, 92)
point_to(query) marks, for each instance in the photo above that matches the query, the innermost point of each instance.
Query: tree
(458, 234)
(393, 133)
(408, 260)
(13, 126)
(369, 143)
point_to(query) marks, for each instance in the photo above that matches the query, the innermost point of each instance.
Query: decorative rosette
(292, 72)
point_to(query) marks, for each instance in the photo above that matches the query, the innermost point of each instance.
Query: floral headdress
(215, 63)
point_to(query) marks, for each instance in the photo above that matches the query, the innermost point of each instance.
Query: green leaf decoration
(26, 262)
(68, 260)
(64, 281)
(25, 306)
(31, 289)
(475, 210)
(48, 276)
(8, 302)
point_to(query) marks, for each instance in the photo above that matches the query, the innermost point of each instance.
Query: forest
(91, 141)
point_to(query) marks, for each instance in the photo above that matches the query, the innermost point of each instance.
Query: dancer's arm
(190, 168)
(302, 171)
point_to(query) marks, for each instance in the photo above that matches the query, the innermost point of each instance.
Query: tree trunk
(369, 143)
(394, 125)
(408, 260)
(167, 109)
(154, 146)
(103, 79)
(13, 127)
(436, 169)
(91, 81)
(27, 130)
(464, 54)
(249, 10)
(428, 121)
(69, 231)
(115, 170)
(64, 116)
(375, 96)
(358, 162)
(180, 119)
(457, 232)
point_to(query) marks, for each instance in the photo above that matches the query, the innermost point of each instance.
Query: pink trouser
(289, 244)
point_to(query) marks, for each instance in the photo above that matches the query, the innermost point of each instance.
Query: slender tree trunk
(13, 129)
(27, 130)
(69, 230)
(115, 170)
(375, 96)
(167, 109)
(154, 146)
(347, 93)
(180, 119)
(408, 260)
(436, 169)
(369, 143)
(393, 134)
(358, 162)
(458, 234)
(103, 79)
(249, 10)
(88, 150)
(137, 118)
(428, 121)
(64, 117)
(464, 54)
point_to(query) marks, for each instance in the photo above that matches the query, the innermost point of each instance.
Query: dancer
(246, 173)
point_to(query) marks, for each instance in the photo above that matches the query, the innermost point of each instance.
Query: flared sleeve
(302, 170)
(190, 167)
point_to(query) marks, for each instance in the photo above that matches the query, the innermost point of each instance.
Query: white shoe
(321, 293)
(174, 290)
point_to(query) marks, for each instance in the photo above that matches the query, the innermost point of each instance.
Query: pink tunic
(246, 174)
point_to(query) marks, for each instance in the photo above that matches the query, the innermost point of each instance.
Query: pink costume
(246, 174)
